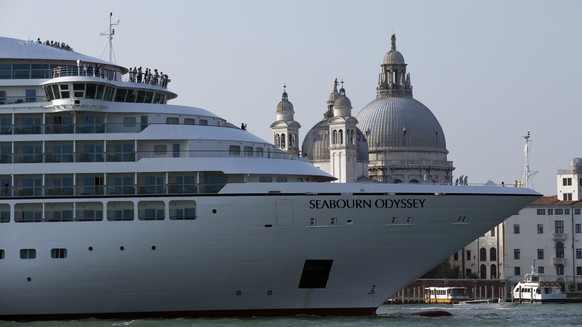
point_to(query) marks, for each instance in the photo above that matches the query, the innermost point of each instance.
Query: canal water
(389, 315)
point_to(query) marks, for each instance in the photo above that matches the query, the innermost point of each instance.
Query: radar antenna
(527, 173)
(109, 33)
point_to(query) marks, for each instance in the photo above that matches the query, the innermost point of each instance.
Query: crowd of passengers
(58, 45)
(136, 75)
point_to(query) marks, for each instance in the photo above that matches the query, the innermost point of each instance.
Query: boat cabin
(446, 294)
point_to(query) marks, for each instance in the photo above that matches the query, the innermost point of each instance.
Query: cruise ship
(114, 203)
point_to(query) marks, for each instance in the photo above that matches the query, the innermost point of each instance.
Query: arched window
(559, 250)
(282, 141)
(413, 181)
(334, 137)
(482, 254)
(352, 138)
(341, 136)
(292, 141)
(493, 254)
(277, 141)
(493, 271)
(483, 272)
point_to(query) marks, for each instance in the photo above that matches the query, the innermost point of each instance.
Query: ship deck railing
(50, 71)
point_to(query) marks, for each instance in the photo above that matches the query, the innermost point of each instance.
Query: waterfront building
(547, 234)
(482, 258)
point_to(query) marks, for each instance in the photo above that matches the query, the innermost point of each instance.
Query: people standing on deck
(147, 76)
(139, 75)
(156, 76)
(165, 80)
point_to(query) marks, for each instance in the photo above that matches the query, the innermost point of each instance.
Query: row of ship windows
(57, 253)
(111, 184)
(103, 92)
(93, 211)
(112, 151)
(83, 124)
(333, 222)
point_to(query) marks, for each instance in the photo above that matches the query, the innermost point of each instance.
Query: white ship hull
(248, 257)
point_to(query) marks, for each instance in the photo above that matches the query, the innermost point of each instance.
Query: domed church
(393, 139)
(406, 142)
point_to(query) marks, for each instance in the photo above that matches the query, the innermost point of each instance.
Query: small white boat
(533, 288)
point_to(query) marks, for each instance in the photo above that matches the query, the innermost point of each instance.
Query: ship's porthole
(349, 222)
(153, 247)
(28, 279)
(90, 248)
(213, 210)
(122, 248)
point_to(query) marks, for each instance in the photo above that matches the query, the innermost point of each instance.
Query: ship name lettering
(399, 203)
(340, 204)
(367, 203)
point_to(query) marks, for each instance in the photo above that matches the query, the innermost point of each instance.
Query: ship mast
(527, 173)
(109, 33)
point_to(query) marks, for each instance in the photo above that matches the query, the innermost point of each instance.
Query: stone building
(547, 234)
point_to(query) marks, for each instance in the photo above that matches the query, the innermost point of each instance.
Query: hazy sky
(490, 71)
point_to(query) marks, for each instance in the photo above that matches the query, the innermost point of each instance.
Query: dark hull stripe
(338, 312)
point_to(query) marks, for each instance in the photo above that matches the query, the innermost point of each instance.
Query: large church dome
(401, 123)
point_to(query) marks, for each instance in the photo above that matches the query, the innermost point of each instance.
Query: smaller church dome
(332, 96)
(393, 57)
(285, 105)
(342, 102)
